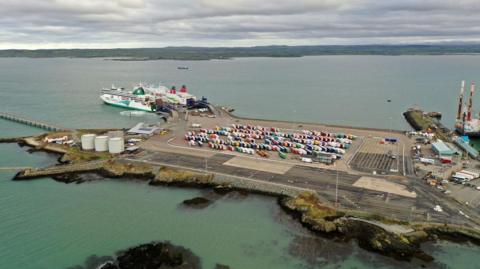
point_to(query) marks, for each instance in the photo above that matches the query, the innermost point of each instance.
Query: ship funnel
(470, 102)
(183, 89)
(460, 101)
(173, 90)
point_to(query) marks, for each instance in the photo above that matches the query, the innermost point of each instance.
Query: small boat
(182, 67)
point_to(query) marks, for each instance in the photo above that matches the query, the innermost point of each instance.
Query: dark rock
(221, 266)
(68, 178)
(197, 202)
(374, 238)
(32, 150)
(220, 189)
(368, 236)
(155, 255)
(64, 159)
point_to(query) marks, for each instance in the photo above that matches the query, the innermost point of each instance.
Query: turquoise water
(45, 224)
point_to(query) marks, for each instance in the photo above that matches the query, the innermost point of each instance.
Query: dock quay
(59, 170)
(421, 121)
(12, 139)
(30, 122)
(13, 169)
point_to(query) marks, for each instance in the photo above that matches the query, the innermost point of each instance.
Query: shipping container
(468, 172)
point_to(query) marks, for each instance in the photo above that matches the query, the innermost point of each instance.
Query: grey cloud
(123, 23)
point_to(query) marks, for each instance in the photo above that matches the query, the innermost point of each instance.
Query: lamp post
(336, 190)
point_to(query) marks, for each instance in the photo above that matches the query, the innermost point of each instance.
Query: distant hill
(207, 53)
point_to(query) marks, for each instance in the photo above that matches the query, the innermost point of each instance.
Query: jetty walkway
(13, 169)
(59, 169)
(30, 122)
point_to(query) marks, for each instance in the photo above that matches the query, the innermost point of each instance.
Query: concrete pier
(12, 139)
(30, 122)
(59, 170)
(13, 169)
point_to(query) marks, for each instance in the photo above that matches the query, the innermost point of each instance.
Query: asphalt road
(323, 181)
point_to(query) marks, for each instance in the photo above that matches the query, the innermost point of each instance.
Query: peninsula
(359, 183)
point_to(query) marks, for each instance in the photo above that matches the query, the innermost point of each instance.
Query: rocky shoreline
(371, 234)
(197, 202)
(151, 255)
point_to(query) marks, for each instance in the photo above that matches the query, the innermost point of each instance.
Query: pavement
(323, 181)
(171, 150)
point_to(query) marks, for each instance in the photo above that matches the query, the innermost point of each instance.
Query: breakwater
(59, 170)
(12, 139)
(107, 168)
(186, 177)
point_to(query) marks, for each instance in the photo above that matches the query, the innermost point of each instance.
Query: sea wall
(330, 222)
(388, 237)
(185, 178)
(12, 139)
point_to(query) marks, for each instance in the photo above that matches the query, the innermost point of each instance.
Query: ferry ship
(146, 97)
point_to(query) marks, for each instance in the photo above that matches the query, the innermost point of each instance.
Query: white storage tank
(115, 145)
(101, 143)
(88, 141)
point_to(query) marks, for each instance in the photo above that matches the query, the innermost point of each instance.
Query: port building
(440, 148)
(459, 141)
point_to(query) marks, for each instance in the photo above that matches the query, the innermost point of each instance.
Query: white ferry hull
(128, 104)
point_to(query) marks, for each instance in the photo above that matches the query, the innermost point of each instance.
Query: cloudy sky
(156, 23)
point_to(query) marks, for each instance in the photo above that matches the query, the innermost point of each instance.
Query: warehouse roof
(465, 146)
(442, 148)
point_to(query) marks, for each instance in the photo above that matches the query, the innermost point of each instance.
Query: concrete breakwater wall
(107, 168)
(59, 170)
(187, 177)
(221, 181)
(12, 139)
(258, 186)
(163, 176)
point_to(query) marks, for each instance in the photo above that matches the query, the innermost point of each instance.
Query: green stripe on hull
(127, 107)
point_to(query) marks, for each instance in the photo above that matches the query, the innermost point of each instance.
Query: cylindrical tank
(101, 143)
(115, 145)
(88, 141)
